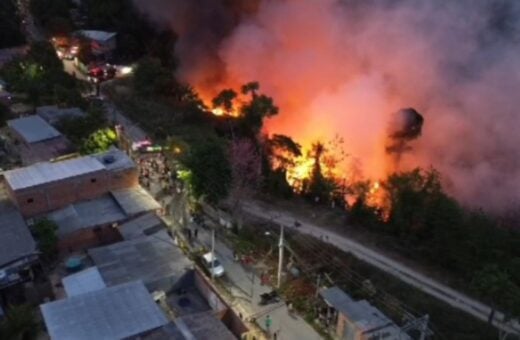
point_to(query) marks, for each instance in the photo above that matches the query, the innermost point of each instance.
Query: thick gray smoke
(343, 67)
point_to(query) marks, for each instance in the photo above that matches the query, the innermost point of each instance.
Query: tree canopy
(45, 232)
(20, 323)
(99, 141)
(210, 170)
(53, 15)
(429, 224)
(151, 77)
(10, 25)
(40, 74)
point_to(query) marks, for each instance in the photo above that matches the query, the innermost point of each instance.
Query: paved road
(70, 68)
(240, 281)
(410, 276)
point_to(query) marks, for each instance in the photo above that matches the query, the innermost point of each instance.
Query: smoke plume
(344, 67)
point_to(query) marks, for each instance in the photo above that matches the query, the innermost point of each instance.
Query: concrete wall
(221, 309)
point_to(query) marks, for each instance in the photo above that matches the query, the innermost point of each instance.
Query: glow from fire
(300, 171)
(218, 112)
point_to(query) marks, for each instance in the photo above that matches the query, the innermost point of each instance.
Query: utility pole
(212, 253)
(252, 284)
(280, 257)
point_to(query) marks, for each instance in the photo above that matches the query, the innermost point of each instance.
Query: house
(146, 224)
(101, 43)
(357, 320)
(202, 325)
(95, 222)
(18, 252)
(36, 140)
(153, 259)
(85, 281)
(53, 114)
(119, 312)
(47, 186)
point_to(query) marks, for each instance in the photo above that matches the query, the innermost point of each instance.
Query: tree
(281, 151)
(162, 47)
(152, 78)
(99, 141)
(411, 195)
(225, 100)
(254, 113)
(4, 114)
(317, 187)
(10, 25)
(251, 87)
(246, 173)
(45, 232)
(37, 74)
(495, 283)
(78, 129)
(53, 15)
(20, 324)
(210, 170)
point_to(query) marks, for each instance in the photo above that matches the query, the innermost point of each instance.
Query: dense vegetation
(40, 75)
(20, 323)
(45, 233)
(53, 15)
(427, 224)
(10, 25)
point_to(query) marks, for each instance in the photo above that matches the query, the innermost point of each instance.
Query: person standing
(268, 323)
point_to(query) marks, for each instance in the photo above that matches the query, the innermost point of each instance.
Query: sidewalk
(240, 281)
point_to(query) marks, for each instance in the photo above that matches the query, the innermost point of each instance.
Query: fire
(218, 112)
(377, 198)
(300, 171)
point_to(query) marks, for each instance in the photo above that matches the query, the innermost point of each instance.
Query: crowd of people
(153, 168)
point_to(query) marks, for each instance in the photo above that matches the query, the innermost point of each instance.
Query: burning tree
(248, 107)
(278, 156)
(223, 103)
(318, 173)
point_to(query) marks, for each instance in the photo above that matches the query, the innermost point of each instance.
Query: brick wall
(51, 196)
(88, 238)
(123, 179)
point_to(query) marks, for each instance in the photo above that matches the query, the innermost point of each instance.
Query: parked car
(214, 267)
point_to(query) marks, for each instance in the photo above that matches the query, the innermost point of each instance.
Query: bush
(45, 233)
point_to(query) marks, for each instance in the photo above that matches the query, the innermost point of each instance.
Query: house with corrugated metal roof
(48, 186)
(36, 140)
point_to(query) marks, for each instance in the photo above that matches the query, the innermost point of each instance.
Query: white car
(215, 268)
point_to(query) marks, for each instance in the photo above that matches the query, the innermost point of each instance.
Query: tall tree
(255, 111)
(225, 100)
(246, 174)
(210, 170)
(151, 77)
(45, 232)
(251, 87)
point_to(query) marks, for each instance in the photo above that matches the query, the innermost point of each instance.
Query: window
(30, 200)
(93, 180)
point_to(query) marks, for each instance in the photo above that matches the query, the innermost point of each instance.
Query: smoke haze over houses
(340, 67)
